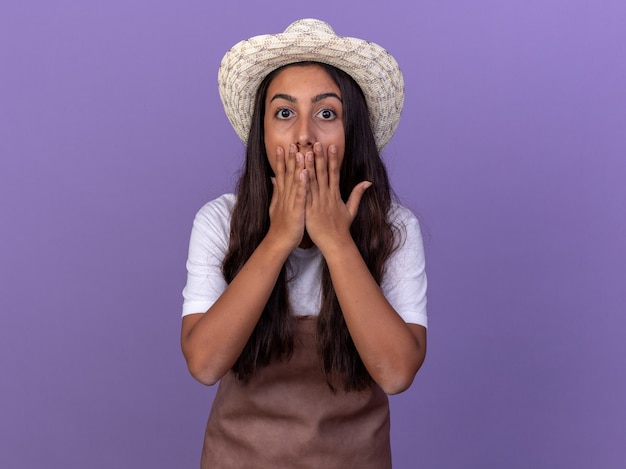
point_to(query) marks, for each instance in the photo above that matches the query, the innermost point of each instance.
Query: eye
(327, 114)
(284, 113)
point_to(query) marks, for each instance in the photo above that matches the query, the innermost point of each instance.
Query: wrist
(337, 246)
(276, 246)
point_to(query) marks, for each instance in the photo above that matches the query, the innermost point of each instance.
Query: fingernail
(317, 147)
(332, 149)
(292, 148)
(279, 150)
(309, 156)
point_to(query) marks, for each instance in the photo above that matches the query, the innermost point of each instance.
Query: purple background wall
(512, 148)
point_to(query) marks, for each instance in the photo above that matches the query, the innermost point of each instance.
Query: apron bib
(287, 417)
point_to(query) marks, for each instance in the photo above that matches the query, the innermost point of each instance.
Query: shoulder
(398, 213)
(217, 210)
(221, 207)
(405, 223)
(404, 281)
(213, 218)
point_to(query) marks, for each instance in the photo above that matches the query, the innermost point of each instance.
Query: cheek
(273, 139)
(270, 152)
(269, 144)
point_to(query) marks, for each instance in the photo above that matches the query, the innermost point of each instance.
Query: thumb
(355, 197)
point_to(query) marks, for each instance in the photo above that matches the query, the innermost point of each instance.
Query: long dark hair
(272, 338)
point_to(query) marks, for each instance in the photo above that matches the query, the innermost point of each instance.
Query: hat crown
(310, 26)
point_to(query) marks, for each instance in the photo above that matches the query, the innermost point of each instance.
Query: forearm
(391, 351)
(213, 341)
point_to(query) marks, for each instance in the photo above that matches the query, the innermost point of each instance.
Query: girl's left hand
(327, 217)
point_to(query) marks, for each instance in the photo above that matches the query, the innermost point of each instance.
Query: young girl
(306, 291)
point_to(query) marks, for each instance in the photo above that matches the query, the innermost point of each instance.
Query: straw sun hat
(244, 67)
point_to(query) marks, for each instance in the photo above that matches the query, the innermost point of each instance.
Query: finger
(299, 164)
(355, 198)
(279, 178)
(333, 167)
(297, 196)
(302, 188)
(312, 188)
(321, 166)
(309, 164)
(290, 163)
(296, 182)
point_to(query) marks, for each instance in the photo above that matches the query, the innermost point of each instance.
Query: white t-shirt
(404, 282)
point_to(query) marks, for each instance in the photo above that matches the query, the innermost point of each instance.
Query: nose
(305, 136)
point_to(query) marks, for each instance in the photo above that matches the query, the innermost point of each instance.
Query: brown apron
(287, 417)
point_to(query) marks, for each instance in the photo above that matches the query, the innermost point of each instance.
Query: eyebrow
(315, 99)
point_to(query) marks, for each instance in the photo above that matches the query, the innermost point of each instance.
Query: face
(303, 106)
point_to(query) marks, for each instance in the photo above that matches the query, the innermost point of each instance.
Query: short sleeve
(208, 245)
(404, 283)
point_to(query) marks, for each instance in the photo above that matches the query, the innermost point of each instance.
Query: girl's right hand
(287, 207)
(213, 341)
